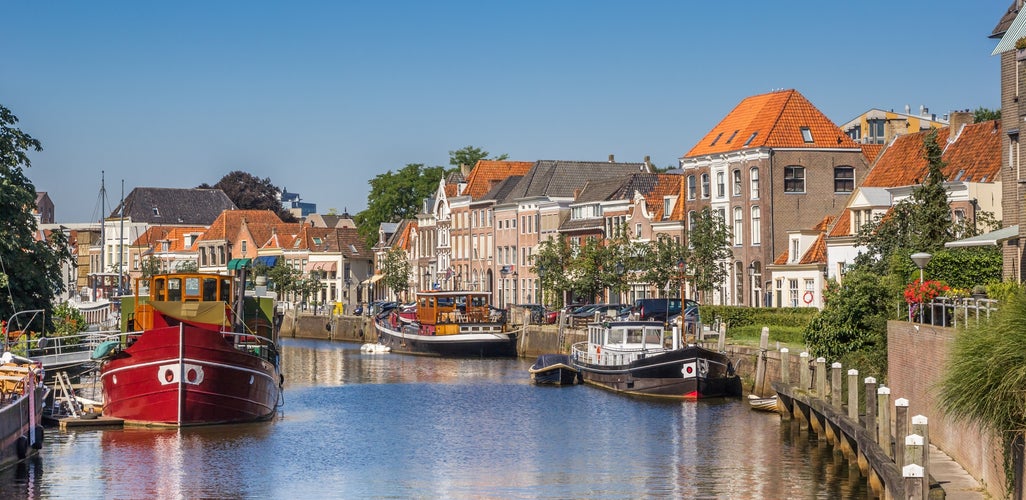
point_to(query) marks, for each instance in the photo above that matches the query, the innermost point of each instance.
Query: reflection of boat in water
(21, 408)
(449, 323)
(186, 366)
(630, 357)
(763, 404)
(554, 369)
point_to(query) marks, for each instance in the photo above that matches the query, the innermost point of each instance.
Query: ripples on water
(392, 426)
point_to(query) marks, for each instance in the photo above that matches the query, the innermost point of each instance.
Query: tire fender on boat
(39, 438)
(22, 447)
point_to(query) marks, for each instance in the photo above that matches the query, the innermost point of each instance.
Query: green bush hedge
(741, 316)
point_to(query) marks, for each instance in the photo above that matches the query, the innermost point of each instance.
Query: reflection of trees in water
(323, 363)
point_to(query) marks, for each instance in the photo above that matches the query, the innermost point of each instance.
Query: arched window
(753, 178)
(738, 226)
(756, 225)
(705, 185)
(691, 187)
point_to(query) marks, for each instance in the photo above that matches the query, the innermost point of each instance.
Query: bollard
(835, 386)
(913, 450)
(721, 339)
(853, 394)
(785, 366)
(821, 378)
(803, 372)
(883, 420)
(920, 427)
(871, 406)
(914, 480)
(900, 428)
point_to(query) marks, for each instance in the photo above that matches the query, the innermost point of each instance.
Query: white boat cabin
(620, 343)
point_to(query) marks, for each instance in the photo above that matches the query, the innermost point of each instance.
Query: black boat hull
(554, 369)
(406, 340)
(688, 373)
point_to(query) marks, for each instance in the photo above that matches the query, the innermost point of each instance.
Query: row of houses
(792, 187)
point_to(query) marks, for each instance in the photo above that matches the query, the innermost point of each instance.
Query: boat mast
(121, 243)
(103, 234)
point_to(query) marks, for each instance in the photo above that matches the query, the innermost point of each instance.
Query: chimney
(577, 193)
(647, 167)
(610, 158)
(908, 109)
(958, 120)
(465, 170)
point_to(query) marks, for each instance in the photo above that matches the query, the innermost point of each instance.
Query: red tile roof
(772, 120)
(174, 235)
(871, 151)
(227, 225)
(975, 156)
(666, 185)
(487, 172)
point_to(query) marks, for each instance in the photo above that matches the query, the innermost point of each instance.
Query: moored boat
(449, 323)
(631, 357)
(763, 404)
(554, 369)
(195, 358)
(21, 408)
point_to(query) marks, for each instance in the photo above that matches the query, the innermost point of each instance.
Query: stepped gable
(488, 172)
(559, 178)
(974, 156)
(169, 206)
(772, 120)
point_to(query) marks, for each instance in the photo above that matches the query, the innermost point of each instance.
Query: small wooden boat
(451, 323)
(763, 404)
(554, 369)
(21, 408)
(632, 357)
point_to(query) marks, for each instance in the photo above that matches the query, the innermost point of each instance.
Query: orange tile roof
(816, 254)
(666, 185)
(871, 151)
(403, 240)
(174, 235)
(281, 235)
(487, 172)
(304, 240)
(227, 225)
(843, 225)
(975, 156)
(772, 120)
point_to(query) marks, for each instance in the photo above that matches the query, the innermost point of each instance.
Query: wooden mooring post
(914, 480)
(900, 429)
(785, 366)
(853, 394)
(883, 420)
(760, 364)
(804, 377)
(835, 385)
(871, 406)
(921, 428)
(821, 382)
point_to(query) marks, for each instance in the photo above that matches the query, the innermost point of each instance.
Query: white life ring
(808, 297)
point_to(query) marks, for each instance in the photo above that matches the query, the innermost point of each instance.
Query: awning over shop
(372, 279)
(321, 266)
(993, 238)
(267, 260)
(236, 264)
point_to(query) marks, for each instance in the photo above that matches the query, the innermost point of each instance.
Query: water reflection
(358, 426)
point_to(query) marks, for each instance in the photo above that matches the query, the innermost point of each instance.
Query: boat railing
(611, 354)
(61, 345)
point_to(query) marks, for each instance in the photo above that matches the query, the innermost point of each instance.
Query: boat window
(226, 290)
(158, 289)
(192, 287)
(174, 289)
(615, 337)
(654, 336)
(446, 301)
(478, 301)
(423, 302)
(634, 336)
(209, 289)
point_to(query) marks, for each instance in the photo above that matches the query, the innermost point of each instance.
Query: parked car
(659, 309)
(606, 310)
(537, 312)
(551, 317)
(689, 316)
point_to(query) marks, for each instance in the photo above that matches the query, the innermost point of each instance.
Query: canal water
(390, 426)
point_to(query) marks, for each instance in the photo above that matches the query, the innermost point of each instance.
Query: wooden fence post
(785, 366)
(835, 386)
(821, 378)
(914, 480)
(900, 430)
(803, 372)
(853, 394)
(871, 406)
(921, 428)
(883, 419)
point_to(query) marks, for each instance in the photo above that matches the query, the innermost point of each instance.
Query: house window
(794, 250)
(736, 182)
(692, 216)
(738, 222)
(753, 179)
(667, 207)
(794, 179)
(720, 186)
(756, 225)
(793, 292)
(876, 132)
(705, 185)
(806, 134)
(691, 187)
(637, 230)
(243, 247)
(844, 179)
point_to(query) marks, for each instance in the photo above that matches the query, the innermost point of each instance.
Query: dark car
(690, 315)
(659, 309)
(606, 310)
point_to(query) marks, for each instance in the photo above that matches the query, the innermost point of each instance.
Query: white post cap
(835, 365)
(883, 389)
(853, 372)
(901, 402)
(913, 440)
(870, 380)
(912, 470)
(920, 420)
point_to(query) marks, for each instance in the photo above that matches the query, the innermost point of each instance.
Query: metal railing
(952, 312)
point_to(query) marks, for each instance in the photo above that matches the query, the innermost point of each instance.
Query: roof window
(731, 138)
(716, 139)
(752, 138)
(806, 134)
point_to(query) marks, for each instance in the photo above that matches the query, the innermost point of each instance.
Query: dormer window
(316, 240)
(806, 134)
(794, 250)
(668, 203)
(751, 138)
(156, 212)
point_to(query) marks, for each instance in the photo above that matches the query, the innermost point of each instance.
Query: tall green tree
(395, 196)
(32, 268)
(661, 265)
(983, 114)
(470, 155)
(250, 192)
(552, 266)
(395, 270)
(852, 326)
(709, 241)
(587, 268)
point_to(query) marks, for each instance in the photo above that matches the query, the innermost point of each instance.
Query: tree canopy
(30, 268)
(250, 192)
(983, 114)
(395, 196)
(470, 155)
(709, 241)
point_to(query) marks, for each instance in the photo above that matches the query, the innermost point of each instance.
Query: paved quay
(956, 482)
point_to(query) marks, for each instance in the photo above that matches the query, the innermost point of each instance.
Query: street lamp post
(541, 281)
(921, 259)
(619, 274)
(751, 282)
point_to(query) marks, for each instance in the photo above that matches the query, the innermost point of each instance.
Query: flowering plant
(918, 292)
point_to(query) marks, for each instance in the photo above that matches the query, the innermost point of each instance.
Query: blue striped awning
(267, 260)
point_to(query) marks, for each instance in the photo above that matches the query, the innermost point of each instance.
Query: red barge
(201, 353)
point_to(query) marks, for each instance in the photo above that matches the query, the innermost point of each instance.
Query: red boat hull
(192, 376)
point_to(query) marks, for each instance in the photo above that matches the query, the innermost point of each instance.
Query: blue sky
(322, 96)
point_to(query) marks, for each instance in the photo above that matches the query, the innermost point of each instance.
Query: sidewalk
(956, 482)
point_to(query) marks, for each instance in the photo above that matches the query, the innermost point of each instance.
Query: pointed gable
(781, 119)
(229, 223)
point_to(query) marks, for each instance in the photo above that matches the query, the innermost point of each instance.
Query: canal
(370, 426)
